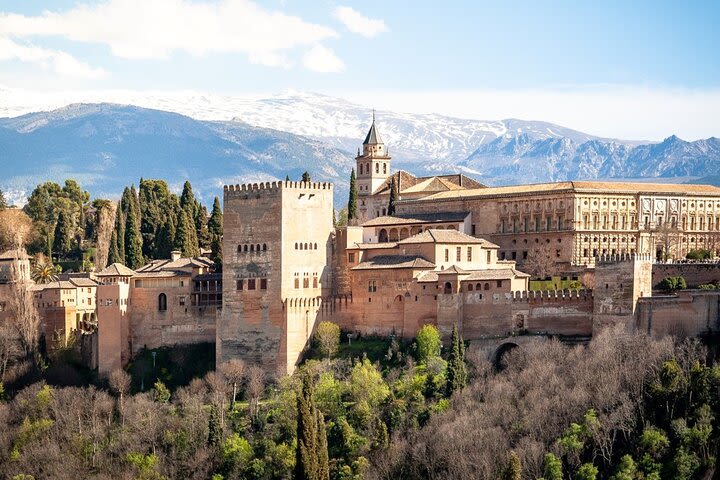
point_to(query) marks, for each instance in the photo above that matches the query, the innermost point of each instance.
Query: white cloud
(358, 23)
(141, 29)
(60, 62)
(322, 59)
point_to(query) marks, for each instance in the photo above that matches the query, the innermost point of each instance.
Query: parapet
(275, 186)
(552, 295)
(624, 257)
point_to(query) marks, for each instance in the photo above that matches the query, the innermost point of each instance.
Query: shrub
(699, 254)
(428, 343)
(327, 338)
(670, 284)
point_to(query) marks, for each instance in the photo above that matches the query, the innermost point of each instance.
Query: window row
(306, 281)
(251, 284)
(306, 246)
(532, 224)
(366, 169)
(251, 248)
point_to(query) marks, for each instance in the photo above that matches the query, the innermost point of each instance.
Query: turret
(373, 163)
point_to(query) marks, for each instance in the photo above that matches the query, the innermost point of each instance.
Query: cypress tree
(306, 177)
(201, 227)
(186, 238)
(311, 454)
(187, 199)
(133, 241)
(456, 371)
(114, 252)
(164, 239)
(214, 428)
(62, 242)
(287, 178)
(216, 252)
(120, 228)
(513, 471)
(352, 201)
(393, 197)
(216, 219)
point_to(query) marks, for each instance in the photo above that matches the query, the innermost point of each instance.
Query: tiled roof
(454, 270)
(476, 275)
(446, 236)
(373, 137)
(159, 265)
(208, 276)
(394, 261)
(420, 218)
(615, 187)
(375, 246)
(409, 183)
(83, 282)
(116, 270)
(162, 274)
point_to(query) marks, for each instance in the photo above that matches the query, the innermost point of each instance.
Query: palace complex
(448, 251)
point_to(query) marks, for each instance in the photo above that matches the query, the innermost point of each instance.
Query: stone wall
(694, 273)
(689, 313)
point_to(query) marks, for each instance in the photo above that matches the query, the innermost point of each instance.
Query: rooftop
(475, 275)
(417, 218)
(446, 236)
(116, 270)
(394, 261)
(407, 183)
(574, 186)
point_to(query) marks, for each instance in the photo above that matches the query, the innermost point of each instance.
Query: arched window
(252, 247)
(162, 302)
(306, 247)
(245, 248)
(384, 167)
(315, 246)
(377, 168)
(448, 288)
(296, 246)
(383, 237)
(399, 298)
(239, 248)
(257, 247)
(360, 169)
(264, 247)
(487, 286)
(470, 287)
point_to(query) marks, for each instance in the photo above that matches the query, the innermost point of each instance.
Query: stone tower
(620, 280)
(277, 267)
(373, 164)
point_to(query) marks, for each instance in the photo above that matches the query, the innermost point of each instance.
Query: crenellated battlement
(623, 257)
(263, 187)
(531, 296)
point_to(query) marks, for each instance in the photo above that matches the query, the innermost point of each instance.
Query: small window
(470, 287)
(263, 284)
(239, 284)
(264, 247)
(251, 284)
(487, 286)
(351, 257)
(499, 283)
(182, 300)
(297, 283)
(447, 255)
(162, 302)
(458, 254)
(469, 254)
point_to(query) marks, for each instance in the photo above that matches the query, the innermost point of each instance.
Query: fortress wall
(689, 313)
(694, 273)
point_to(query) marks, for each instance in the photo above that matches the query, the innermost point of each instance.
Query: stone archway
(383, 236)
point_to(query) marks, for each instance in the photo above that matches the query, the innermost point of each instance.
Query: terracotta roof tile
(394, 261)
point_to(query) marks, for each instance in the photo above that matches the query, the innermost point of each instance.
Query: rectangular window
(351, 257)
(263, 284)
(458, 254)
(447, 255)
(525, 254)
(182, 300)
(488, 256)
(315, 282)
(499, 284)
(469, 254)
(297, 282)
(472, 229)
(239, 285)
(514, 255)
(251, 284)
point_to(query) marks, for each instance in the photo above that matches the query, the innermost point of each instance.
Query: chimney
(175, 255)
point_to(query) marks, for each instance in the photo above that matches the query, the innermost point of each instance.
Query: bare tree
(540, 262)
(24, 313)
(106, 222)
(120, 385)
(15, 229)
(255, 388)
(666, 238)
(233, 370)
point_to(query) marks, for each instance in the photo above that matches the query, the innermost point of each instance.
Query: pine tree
(62, 240)
(456, 370)
(185, 237)
(306, 177)
(216, 219)
(352, 201)
(393, 197)
(133, 241)
(311, 454)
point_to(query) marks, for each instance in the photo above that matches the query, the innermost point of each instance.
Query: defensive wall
(695, 273)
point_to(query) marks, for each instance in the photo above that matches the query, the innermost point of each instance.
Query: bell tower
(373, 163)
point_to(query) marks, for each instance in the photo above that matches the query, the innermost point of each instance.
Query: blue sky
(652, 63)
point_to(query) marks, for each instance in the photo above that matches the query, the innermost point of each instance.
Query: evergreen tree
(306, 177)
(352, 201)
(119, 234)
(185, 237)
(187, 199)
(513, 471)
(156, 209)
(3, 202)
(393, 197)
(164, 239)
(214, 428)
(553, 467)
(216, 252)
(216, 219)
(114, 252)
(62, 239)
(456, 370)
(201, 226)
(287, 178)
(311, 454)
(133, 241)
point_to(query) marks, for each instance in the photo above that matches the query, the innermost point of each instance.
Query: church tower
(373, 164)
